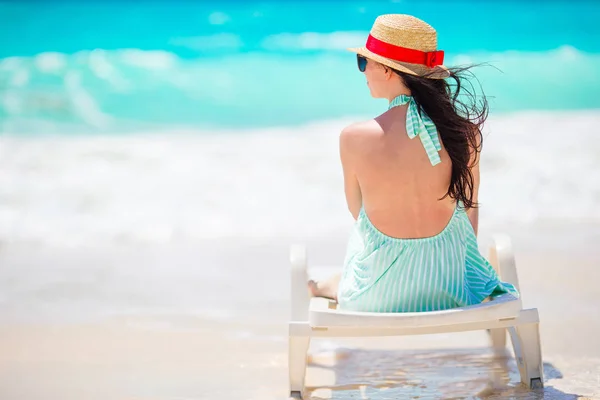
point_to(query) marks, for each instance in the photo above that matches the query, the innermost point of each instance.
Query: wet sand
(210, 323)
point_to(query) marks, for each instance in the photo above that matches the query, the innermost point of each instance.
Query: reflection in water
(423, 374)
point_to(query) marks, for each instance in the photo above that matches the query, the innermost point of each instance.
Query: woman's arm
(473, 213)
(348, 152)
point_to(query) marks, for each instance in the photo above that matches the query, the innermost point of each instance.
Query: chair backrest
(501, 256)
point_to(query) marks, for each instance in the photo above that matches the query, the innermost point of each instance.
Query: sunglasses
(361, 62)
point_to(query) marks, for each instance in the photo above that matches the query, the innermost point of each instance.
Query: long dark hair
(458, 113)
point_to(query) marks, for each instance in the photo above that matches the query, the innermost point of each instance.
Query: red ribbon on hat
(404, 54)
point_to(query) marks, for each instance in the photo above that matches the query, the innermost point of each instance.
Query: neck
(395, 94)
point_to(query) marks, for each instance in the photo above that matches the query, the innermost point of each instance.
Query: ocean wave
(186, 186)
(136, 89)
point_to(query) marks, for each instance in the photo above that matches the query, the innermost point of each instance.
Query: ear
(388, 72)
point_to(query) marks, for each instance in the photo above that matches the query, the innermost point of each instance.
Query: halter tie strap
(419, 124)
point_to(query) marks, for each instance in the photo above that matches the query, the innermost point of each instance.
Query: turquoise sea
(116, 66)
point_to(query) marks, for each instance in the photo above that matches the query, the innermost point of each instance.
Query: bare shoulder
(360, 133)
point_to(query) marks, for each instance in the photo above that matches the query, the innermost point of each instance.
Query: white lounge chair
(319, 317)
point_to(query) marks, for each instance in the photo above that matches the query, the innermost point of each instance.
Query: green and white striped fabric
(385, 274)
(420, 125)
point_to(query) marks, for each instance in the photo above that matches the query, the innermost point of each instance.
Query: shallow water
(429, 374)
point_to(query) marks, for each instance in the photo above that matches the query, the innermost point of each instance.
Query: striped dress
(385, 274)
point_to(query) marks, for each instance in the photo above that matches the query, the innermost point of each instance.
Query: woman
(411, 179)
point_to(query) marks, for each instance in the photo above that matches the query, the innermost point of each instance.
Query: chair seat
(325, 313)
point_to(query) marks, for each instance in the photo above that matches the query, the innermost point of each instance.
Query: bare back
(400, 189)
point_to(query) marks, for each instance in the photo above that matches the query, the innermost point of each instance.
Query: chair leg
(298, 349)
(528, 353)
(299, 340)
(498, 339)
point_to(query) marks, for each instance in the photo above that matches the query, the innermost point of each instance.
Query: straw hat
(405, 43)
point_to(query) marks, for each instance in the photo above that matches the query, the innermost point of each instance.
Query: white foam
(19, 78)
(218, 18)
(103, 69)
(11, 63)
(222, 40)
(183, 186)
(314, 40)
(50, 62)
(542, 166)
(154, 59)
(83, 102)
(11, 102)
